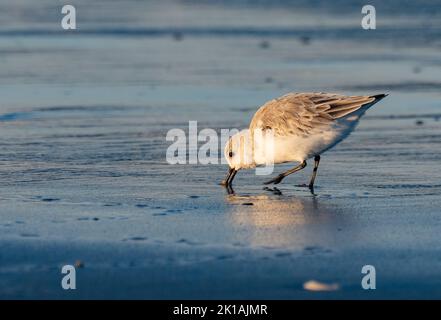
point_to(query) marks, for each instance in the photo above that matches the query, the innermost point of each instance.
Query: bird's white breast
(279, 149)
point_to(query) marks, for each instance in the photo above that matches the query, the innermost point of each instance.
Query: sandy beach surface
(84, 178)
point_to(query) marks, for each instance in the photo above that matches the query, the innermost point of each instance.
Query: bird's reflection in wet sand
(283, 220)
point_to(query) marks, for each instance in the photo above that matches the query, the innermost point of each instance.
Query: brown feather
(306, 113)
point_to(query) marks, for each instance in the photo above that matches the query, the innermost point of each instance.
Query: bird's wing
(305, 113)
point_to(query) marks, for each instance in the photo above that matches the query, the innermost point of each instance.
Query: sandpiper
(295, 128)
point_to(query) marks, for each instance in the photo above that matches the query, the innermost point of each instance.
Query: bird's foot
(228, 186)
(229, 189)
(309, 186)
(276, 180)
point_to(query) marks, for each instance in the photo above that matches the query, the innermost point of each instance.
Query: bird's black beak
(229, 178)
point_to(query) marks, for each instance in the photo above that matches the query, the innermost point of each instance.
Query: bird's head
(238, 151)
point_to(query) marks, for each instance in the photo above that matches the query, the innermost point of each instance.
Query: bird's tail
(366, 106)
(378, 97)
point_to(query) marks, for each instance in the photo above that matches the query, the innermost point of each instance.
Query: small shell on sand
(79, 264)
(313, 285)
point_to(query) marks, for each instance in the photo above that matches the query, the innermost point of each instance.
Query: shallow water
(83, 119)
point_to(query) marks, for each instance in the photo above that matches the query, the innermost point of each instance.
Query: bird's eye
(230, 154)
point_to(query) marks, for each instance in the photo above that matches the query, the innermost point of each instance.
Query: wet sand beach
(84, 177)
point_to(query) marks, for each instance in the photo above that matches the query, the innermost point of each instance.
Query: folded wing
(306, 113)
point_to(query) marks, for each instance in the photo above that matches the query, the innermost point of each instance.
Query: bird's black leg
(280, 177)
(229, 189)
(314, 172)
(229, 178)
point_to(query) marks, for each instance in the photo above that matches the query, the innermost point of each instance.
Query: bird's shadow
(274, 190)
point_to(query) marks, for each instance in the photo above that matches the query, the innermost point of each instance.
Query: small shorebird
(295, 128)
